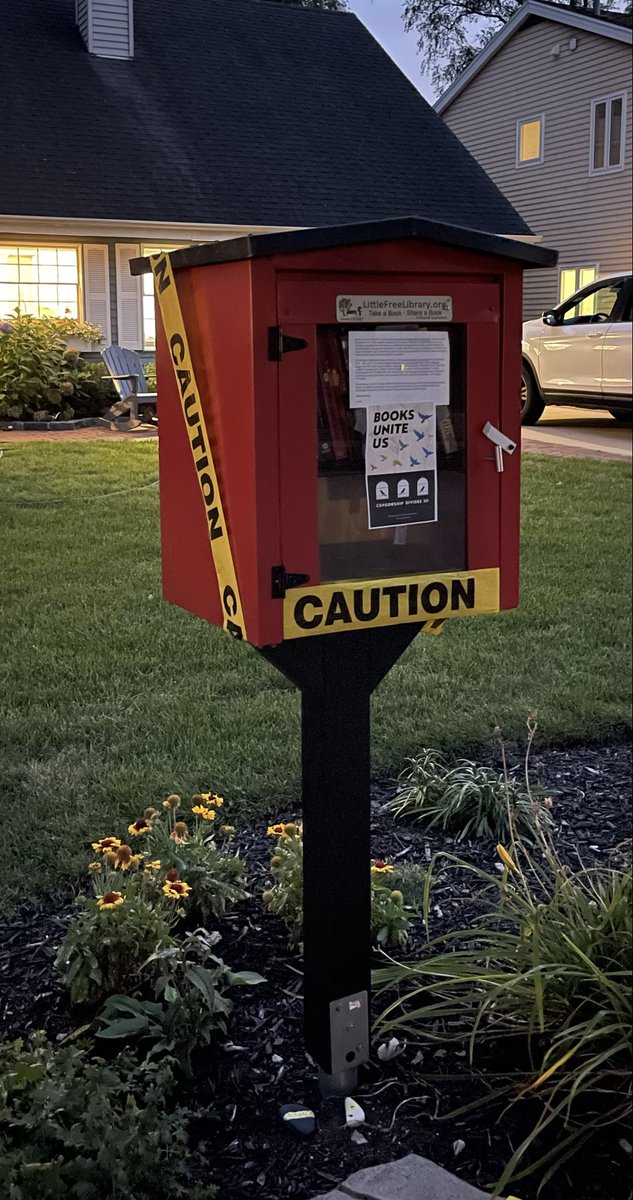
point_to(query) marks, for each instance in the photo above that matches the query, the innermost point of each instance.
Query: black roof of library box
(329, 237)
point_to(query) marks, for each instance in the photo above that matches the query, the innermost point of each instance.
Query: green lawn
(109, 698)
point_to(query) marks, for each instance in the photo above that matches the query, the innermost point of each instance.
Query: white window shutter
(129, 302)
(96, 288)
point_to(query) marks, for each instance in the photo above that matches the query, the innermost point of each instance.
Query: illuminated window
(529, 141)
(40, 280)
(608, 121)
(149, 319)
(571, 280)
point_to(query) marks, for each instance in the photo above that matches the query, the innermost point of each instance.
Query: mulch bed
(240, 1083)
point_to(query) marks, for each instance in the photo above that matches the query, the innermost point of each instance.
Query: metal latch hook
(502, 444)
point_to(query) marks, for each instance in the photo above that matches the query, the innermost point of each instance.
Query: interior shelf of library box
(349, 548)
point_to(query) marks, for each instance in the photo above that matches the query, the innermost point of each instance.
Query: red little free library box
(335, 406)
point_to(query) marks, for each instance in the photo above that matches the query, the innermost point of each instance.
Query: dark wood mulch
(240, 1083)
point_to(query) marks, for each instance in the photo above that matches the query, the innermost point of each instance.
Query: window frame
(579, 286)
(608, 100)
(42, 245)
(530, 162)
(147, 249)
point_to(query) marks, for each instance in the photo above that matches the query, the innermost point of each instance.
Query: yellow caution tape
(199, 442)
(372, 603)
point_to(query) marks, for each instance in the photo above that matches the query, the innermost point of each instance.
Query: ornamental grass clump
(548, 960)
(467, 800)
(391, 913)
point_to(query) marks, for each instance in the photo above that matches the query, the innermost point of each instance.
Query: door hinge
(281, 580)
(280, 343)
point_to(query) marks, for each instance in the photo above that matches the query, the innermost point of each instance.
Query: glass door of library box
(402, 485)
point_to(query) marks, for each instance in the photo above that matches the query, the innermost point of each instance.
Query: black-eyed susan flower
(227, 830)
(275, 830)
(95, 866)
(506, 858)
(106, 843)
(110, 900)
(176, 890)
(138, 828)
(217, 800)
(179, 833)
(172, 802)
(380, 867)
(152, 865)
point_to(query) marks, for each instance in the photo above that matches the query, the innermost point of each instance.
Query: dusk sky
(383, 18)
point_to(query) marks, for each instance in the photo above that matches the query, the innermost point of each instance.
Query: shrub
(467, 800)
(391, 909)
(40, 377)
(549, 958)
(190, 1006)
(75, 1126)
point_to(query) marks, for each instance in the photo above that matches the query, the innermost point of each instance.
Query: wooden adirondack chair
(126, 372)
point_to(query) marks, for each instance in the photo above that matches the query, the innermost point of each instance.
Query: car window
(585, 306)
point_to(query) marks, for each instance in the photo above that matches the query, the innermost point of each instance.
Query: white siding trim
(153, 232)
(608, 100)
(530, 162)
(129, 300)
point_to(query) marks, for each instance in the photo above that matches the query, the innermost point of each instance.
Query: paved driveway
(579, 433)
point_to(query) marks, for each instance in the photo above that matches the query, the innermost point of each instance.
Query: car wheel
(623, 418)
(531, 404)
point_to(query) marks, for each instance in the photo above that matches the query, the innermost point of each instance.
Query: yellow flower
(180, 833)
(379, 867)
(176, 890)
(172, 802)
(107, 843)
(95, 866)
(153, 865)
(506, 859)
(218, 801)
(138, 828)
(110, 900)
(207, 814)
(227, 830)
(275, 830)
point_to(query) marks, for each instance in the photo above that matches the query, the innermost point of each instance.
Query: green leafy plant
(549, 958)
(75, 1126)
(72, 327)
(190, 1003)
(391, 909)
(41, 377)
(184, 839)
(105, 947)
(467, 800)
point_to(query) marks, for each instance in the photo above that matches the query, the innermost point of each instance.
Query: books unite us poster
(400, 379)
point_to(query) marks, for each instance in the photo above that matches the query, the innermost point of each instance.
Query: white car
(580, 352)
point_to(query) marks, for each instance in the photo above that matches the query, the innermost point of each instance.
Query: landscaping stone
(412, 1178)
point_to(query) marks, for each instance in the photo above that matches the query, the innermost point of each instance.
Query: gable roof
(232, 111)
(616, 26)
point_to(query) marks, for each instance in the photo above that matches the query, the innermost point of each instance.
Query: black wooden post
(337, 674)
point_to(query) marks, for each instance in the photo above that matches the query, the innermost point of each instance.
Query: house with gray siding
(546, 109)
(131, 126)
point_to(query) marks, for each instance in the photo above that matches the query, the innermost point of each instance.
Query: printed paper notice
(389, 367)
(401, 466)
